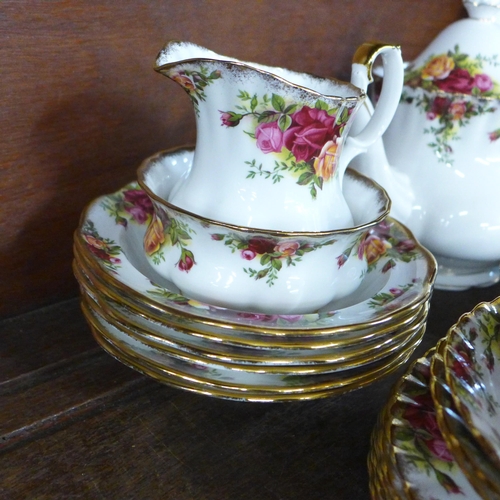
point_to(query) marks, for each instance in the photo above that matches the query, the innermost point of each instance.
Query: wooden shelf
(75, 423)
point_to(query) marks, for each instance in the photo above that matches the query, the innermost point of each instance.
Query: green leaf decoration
(268, 116)
(305, 178)
(253, 103)
(291, 108)
(262, 274)
(319, 104)
(284, 122)
(278, 102)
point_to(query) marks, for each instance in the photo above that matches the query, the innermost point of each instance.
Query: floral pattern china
(451, 79)
(466, 450)
(401, 271)
(241, 378)
(271, 142)
(445, 132)
(472, 360)
(417, 453)
(305, 140)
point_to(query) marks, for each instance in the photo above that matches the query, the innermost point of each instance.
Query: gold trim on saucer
(163, 313)
(322, 389)
(240, 337)
(337, 364)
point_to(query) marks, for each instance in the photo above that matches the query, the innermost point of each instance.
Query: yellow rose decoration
(184, 80)
(326, 163)
(438, 68)
(154, 236)
(374, 247)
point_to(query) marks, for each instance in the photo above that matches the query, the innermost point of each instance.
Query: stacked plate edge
(232, 354)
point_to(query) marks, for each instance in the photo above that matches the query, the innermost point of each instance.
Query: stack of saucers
(438, 436)
(144, 321)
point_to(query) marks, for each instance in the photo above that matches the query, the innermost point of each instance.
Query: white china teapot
(272, 144)
(441, 163)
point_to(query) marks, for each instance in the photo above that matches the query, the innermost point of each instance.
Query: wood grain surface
(76, 424)
(81, 105)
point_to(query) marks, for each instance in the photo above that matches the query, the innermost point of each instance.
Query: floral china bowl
(254, 269)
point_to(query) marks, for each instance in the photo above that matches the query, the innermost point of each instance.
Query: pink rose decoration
(229, 119)
(248, 254)
(459, 80)
(438, 448)
(483, 82)
(269, 137)
(495, 135)
(287, 247)
(311, 128)
(268, 318)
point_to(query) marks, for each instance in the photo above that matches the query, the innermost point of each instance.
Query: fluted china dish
(336, 357)
(110, 237)
(239, 380)
(472, 363)
(468, 453)
(409, 457)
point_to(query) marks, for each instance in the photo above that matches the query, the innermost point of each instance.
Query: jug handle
(389, 97)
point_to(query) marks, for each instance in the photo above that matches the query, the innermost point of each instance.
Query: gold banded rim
(343, 362)
(164, 374)
(238, 335)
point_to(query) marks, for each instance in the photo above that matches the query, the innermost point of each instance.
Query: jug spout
(176, 51)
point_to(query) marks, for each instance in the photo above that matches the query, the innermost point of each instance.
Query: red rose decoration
(459, 80)
(261, 245)
(311, 128)
(140, 204)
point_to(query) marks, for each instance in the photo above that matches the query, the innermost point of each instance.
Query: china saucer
(409, 457)
(111, 233)
(251, 347)
(237, 383)
(314, 360)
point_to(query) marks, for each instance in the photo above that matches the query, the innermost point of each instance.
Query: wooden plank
(95, 429)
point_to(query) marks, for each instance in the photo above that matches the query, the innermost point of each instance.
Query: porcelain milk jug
(272, 145)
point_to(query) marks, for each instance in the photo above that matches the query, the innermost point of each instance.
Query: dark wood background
(81, 105)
